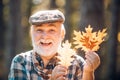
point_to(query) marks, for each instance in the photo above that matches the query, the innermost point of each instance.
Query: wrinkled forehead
(49, 24)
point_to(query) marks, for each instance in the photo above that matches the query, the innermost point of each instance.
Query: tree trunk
(92, 13)
(2, 27)
(26, 13)
(112, 42)
(53, 4)
(2, 33)
(13, 33)
(70, 10)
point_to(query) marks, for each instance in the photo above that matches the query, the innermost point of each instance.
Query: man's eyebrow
(50, 24)
(38, 25)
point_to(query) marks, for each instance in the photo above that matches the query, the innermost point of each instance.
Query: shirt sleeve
(75, 71)
(17, 70)
(79, 68)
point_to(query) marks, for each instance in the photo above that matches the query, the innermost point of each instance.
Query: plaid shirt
(29, 66)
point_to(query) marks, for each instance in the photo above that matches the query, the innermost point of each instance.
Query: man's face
(46, 38)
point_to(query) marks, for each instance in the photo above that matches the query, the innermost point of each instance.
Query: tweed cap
(46, 16)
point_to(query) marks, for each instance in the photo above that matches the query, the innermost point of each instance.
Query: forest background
(15, 38)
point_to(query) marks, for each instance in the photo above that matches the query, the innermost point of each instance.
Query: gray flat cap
(46, 16)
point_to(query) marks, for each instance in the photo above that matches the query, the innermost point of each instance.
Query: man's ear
(63, 34)
(63, 31)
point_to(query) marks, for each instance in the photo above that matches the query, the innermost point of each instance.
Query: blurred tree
(92, 12)
(68, 24)
(71, 14)
(25, 14)
(112, 42)
(2, 27)
(2, 33)
(53, 4)
(13, 42)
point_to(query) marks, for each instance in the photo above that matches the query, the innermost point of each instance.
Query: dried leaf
(89, 40)
(66, 54)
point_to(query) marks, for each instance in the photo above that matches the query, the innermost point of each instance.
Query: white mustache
(45, 41)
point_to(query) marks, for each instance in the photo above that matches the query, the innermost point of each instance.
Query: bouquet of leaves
(87, 40)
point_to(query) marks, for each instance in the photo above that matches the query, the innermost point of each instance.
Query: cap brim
(43, 22)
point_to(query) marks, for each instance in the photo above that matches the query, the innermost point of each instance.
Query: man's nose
(45, 35)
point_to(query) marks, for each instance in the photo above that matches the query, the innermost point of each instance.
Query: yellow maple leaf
(66, 54)
(89, 40)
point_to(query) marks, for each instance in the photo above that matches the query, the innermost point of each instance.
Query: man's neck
(46, 59)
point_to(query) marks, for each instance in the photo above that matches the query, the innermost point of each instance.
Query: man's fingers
(92, 59)
(59, 72)
(61, 78)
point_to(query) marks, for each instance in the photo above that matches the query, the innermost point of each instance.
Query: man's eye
(52, 30)
(39, 30)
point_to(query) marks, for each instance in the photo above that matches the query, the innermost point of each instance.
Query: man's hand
(92, 61)
(59, 73)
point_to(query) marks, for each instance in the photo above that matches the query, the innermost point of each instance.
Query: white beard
(52, 51)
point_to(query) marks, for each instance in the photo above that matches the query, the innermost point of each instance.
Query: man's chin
(46, 54)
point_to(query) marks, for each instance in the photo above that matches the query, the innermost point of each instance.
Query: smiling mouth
(45, 44)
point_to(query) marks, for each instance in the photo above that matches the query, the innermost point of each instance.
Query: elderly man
(47, 33)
